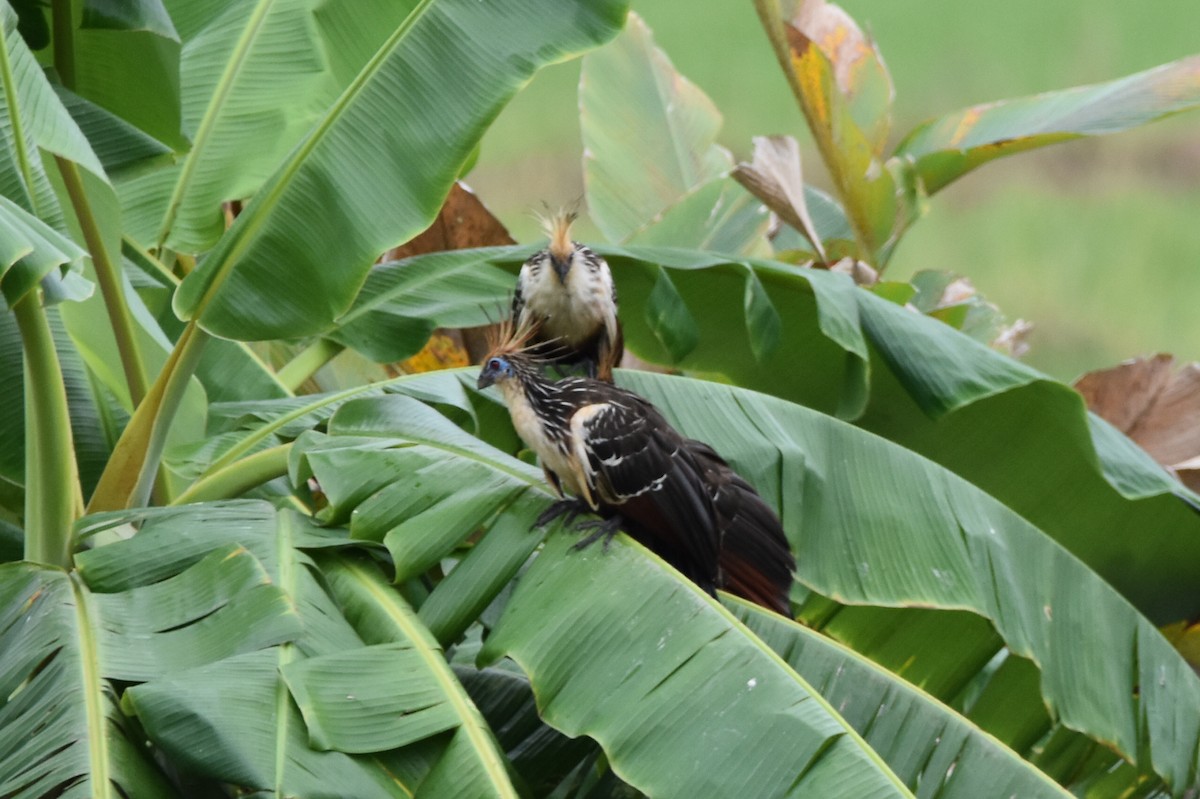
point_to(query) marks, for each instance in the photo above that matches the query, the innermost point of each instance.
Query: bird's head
(508, 357)
(495, 369)
(561, 250)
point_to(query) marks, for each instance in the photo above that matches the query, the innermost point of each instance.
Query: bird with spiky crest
(607, 451)
(566, 297)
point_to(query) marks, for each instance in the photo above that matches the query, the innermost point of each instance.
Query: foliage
(224, 573)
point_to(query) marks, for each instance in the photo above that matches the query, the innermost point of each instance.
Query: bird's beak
(486, 378)
(561, 267)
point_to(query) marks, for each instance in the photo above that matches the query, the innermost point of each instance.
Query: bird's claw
(571, 508)
(603, 528)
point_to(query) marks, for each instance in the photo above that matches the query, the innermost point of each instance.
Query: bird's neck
(538, 415)
(542, 395)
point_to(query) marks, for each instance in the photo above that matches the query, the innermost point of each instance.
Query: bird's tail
(756, 562)
(755, 559)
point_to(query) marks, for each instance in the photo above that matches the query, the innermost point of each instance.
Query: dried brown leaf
(1188, 473)
(1124, 393)
(774, 176)
(1154, 404)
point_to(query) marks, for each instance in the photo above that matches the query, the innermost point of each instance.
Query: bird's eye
(494, 363)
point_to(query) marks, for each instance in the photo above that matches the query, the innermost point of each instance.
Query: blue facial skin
(493, 370)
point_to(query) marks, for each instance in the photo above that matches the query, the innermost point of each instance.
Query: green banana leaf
(56, 699)
(118, 65)
(230, 720)
(138, 15)
(67, 636)
(403, 301)
(359, 480)
(419, 522)
(33, 120)
(238, 429)
(670, 182)
(664, 292)
(757, 729)
(957, 758)
(942, 150)
(953, 547)
(121, 148)
(1030, 441)
(233, 721)
(812, 337)
(374, 148)
(838, 489)
(251, 79)
(235, 711)
(548, 760)
(30, 251)
(397, 689)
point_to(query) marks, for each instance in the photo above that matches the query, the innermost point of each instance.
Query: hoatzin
(616, 455)
(565, 296)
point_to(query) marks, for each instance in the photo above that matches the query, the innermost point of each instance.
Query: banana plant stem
(109, 279)
(130, 472)
(239, 476)
(64, 41)
(307, 362)
(188, 350)
(52, 476)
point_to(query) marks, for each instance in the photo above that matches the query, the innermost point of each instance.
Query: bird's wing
(637, 464)
(518, 301)
(612, 325)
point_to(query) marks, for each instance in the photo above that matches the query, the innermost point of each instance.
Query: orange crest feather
(508, 338)
(558, 228)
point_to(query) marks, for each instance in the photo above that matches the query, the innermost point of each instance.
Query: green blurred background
(1097, 241)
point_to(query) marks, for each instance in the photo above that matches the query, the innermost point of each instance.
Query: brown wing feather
(644, 474)
(608, 353)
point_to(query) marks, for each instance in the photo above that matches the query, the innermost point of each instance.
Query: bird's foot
(571, 508)
(602, 528)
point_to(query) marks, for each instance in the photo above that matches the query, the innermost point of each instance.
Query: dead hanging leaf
(1156, 405)
(1124, 393)
(953, 299)
(959, 290)
(774, 177)
(463, 223)
(1189, 473)
(860, 271)
(858, 68)
(1013, 339)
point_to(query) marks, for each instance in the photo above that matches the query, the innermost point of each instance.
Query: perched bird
(565, 295)
(615, 455)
